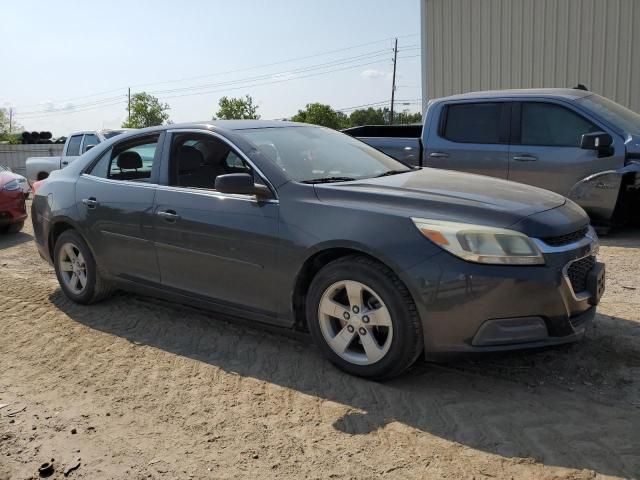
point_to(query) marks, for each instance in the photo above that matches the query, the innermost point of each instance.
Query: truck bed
(401, 142)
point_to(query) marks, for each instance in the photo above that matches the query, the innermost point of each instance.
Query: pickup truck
(570, 141)
(39, 168)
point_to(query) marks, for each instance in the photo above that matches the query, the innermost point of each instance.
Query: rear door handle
(90, 202)
(169, 215)
(439, 155)
(525, 158)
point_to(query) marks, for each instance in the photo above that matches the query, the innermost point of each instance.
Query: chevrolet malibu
(305, 228)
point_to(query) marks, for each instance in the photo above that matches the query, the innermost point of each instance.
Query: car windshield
(316, 154)
(619, 116)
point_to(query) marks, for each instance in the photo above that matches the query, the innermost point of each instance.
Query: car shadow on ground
(508, 405)
(8, 240)
(627, 237)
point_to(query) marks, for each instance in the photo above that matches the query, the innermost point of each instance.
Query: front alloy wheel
(355, 322)
(363, 318)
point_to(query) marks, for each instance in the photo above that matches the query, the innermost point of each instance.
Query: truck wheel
(363, 318)
(77, 271)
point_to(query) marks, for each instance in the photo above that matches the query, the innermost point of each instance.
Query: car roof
(219, 125)
(565, 93)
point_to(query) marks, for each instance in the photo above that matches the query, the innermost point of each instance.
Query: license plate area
(596, 283)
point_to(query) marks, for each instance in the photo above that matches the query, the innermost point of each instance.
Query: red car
(13, 210)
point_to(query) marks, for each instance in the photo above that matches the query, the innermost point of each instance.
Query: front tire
(363, 318)
(77, 271)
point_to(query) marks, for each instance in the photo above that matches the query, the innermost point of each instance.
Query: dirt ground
(136, 388)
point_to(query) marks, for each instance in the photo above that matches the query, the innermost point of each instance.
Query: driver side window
(197, 159)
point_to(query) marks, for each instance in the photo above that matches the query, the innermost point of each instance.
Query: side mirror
(241, 183)
(87, 148)
(599, 141)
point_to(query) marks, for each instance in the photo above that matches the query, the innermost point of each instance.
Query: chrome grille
(578, 272)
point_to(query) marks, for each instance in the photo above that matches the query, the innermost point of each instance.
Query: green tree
(146, 111)
(320, 114)
(6, 127)
(405, 117)
(369, 116)
(237, 109)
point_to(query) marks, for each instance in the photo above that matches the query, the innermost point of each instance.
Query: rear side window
(547, 124)
(130, 161)
(473, 123)
(73, 148)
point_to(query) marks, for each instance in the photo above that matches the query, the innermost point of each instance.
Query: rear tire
(363, 319)
(76, 269)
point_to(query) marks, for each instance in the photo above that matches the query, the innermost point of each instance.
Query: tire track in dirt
(202, 393)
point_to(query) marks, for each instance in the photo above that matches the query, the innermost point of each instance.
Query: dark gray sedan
(306, 228)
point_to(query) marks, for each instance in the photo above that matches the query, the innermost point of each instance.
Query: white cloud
(372, 73)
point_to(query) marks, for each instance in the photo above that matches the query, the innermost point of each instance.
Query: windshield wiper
(329, 180)
(392, 172)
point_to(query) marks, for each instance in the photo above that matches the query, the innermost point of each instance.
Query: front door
(470, 137)
(116, 200)
(545, 150)
(216, 247)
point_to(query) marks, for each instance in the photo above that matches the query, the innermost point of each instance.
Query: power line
(281, 62)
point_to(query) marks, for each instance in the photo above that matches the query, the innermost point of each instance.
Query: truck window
(89, 139)
(547, 124)
(73, 148)
(473, 122)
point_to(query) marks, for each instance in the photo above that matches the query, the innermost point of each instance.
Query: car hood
(446, 195)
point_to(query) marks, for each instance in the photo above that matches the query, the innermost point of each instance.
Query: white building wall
(471, 45)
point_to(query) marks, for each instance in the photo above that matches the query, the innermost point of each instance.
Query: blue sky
(62, 60)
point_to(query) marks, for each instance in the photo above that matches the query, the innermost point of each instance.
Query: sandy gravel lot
(136, 388)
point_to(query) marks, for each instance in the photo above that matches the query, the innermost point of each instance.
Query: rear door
(545, 146)
(115, 198)
(211, 246)
(470, 137)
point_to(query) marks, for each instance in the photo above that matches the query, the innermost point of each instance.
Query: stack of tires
(30, 138)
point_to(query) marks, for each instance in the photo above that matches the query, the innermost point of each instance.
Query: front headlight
(481, 244)
(12, 185)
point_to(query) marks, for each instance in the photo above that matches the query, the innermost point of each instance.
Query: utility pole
(129, 107)
(10, 118)
(393, 81)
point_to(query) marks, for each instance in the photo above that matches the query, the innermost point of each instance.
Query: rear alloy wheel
(76, 270)
(363, 318)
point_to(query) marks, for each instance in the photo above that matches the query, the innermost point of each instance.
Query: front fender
(598, 193)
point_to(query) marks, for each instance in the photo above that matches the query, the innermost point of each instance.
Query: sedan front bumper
(470, 307)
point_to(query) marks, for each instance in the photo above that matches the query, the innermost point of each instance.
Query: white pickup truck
(39, 168)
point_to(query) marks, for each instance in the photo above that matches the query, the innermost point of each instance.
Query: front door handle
(90, 202)
(64, 162)
(439, 155)
(525, 158)
(169, 215)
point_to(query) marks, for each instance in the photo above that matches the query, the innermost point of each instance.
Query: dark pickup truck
(569, 141)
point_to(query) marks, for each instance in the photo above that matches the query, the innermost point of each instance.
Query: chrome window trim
(128, 183)
(235, 148)
(190, 190)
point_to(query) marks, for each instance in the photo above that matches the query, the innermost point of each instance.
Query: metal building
(470, 45)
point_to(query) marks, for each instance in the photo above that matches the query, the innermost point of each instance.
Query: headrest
(189, 158)
(129, 160)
